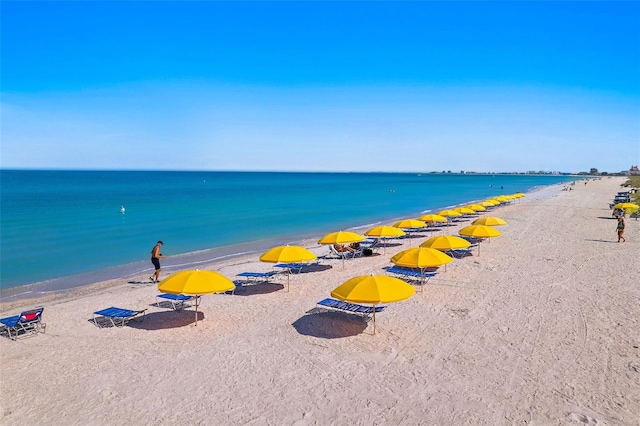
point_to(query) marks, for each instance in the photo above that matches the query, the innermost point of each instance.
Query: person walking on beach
(155, 259)
(620, 229)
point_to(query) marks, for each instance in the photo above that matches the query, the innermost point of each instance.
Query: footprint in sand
(586, 420)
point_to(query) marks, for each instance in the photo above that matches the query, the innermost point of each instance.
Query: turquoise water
(61, 223)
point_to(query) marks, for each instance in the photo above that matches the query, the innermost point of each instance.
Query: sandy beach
(541, 328)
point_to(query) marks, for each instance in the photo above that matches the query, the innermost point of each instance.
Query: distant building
(634, 171)
(593, 171)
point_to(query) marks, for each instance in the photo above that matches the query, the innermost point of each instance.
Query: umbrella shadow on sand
(460, 255)
(314, 268)
(390, 244)
(330, 325)
(166, 319)
(252, 289)
(412, 236)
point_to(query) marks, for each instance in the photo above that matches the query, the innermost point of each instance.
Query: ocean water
(67, 226)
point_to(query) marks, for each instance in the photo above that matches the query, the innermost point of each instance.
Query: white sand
(542, 328)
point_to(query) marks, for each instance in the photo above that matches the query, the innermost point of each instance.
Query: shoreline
(541, 327)
(57, 288)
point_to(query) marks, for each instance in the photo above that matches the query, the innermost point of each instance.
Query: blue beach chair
(294, 268)
(366, 312)
(411, 274)
(459, 253)
(264, 276)
(115, 316)
(27, 322)
(177, 301)
(352, 308)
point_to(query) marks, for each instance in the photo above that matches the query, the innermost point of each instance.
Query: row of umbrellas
(376, 289)
(371, 289)
(429, 254)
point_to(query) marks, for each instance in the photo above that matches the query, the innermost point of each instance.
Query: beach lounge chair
(240, 285)
(27, 322)
(294, 268)
(177, 301)
(343, 254)
(459, 253)
(352, 308)
(372, 244)
(115, 316)
(473, 240)
(411, 274)
(257, 276)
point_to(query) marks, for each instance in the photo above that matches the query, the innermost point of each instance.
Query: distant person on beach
(155, 259)
(620, 229)
(342, 248)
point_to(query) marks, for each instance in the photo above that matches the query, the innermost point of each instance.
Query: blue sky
(320, 86)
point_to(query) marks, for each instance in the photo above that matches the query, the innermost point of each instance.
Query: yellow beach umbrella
(490, 203)
(421, 257)
(479, 231)
(477, 207)
(503, 199)
(464, 210)
(410, 224)
(449, 213)
(384, 232)
(495, 201)
(341, 237)
(287, 254)
(518, 195)
(490, 221)
(446, 242)
(195, 283)
(625, 206)
(432, 218)
(373, 289)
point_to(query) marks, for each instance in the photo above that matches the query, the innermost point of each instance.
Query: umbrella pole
(421, 280)
(374, 320)
(197, 310)
(288, 276)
